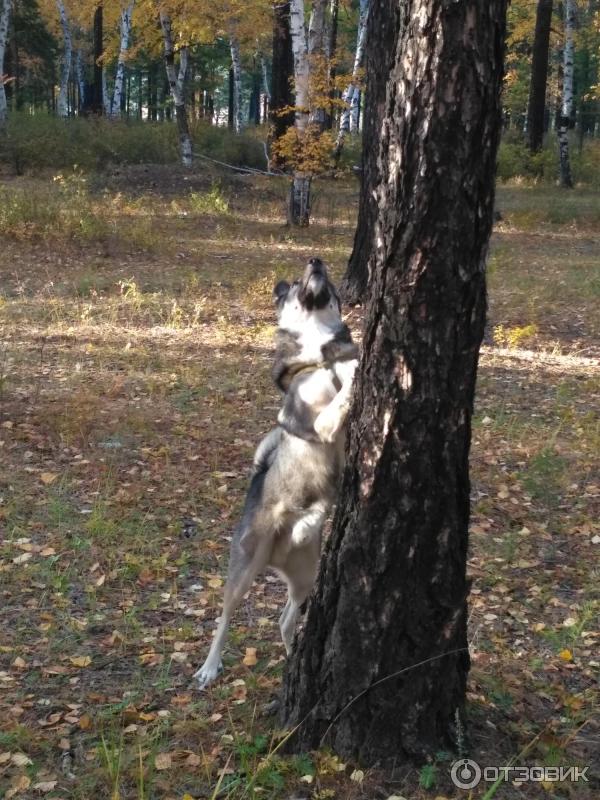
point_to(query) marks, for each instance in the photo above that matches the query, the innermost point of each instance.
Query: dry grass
(134, 384)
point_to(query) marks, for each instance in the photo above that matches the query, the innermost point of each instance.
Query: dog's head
(312, 298)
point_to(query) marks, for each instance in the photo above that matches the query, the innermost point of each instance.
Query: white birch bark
(176, 89)
(5, 6)
(351, 95)
(236, 63)
(62, 105)
(125, 32)
(316, 28)
(566, 179)
(265, 78)
(301, 63)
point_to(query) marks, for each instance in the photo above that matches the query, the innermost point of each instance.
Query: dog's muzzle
(315, 292)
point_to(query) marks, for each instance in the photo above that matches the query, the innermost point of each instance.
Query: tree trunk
(299, 199)
(125, 30)
(351, 95)
(4, 23)
(282, 72)
(96, 105)
(236, 68)
(566, 179)
(331, 53)
(318, 63)
(539, 76)
(81, 100)
(65, 70)
(185, 140)
(379, 671)
(231, 101)
(379, 60)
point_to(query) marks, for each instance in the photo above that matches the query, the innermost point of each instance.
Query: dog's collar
(295, 370)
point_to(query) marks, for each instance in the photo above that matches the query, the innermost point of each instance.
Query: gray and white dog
(298, 464)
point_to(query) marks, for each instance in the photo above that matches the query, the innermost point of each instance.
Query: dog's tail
(265, 452)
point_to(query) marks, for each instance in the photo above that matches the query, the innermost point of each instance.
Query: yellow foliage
(309, 151)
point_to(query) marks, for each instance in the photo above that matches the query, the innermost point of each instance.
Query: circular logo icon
(465, 773)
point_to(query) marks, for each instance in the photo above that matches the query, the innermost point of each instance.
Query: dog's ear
(280, 292)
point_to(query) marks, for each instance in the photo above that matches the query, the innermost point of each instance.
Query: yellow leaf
(215, 583)
(250, 659)
(80, 661)
(566, 655)
(48, 477)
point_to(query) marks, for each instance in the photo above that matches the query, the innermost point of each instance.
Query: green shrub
(44, 141)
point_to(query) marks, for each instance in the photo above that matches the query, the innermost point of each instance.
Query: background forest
(150, 153)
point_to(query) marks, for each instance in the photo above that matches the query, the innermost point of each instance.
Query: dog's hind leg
(243, 569)
(300, 571)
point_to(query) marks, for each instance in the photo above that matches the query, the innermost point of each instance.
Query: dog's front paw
(207, 674)
(327, 425)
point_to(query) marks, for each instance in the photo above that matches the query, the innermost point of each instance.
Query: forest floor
(134, 384)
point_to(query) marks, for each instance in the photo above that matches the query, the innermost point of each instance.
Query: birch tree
(236, 66)
(351, 95)
(566, 179)
(62, 105)
(5, 6)
(176, 89)
(125, 24)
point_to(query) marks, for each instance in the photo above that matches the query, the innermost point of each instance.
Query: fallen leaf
(566, 655)
(48, 477)
(357, 776)
(44, 786)
(250, 659)
(21, 760)
(80, 661)
(163, 761)
(22, 558)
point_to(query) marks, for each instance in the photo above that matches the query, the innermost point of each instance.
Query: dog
(298, 464)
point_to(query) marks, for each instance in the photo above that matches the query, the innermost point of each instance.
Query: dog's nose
(316, 265)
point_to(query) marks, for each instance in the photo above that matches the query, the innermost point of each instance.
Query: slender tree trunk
(331, 56)
(299, 198)
(539, 76)
(379, 60)
(80, 82)
(231, 101)
(105, 95)
(185, 140)
(351, 95)
(236, 67)
(65, 70)
(317, 59)
(5, 8)
(282, 72)
(379, 671)
(125, 31)
(566, 179)
(97, 104)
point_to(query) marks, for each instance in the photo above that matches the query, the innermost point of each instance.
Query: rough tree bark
(176, 89)
(62, 106)
(334, 8)
(382, 23)
(5, 7)
(379, 671)
(282, 72)
(566, 179)
(351, 95)
(125, 31)
(539, 76)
